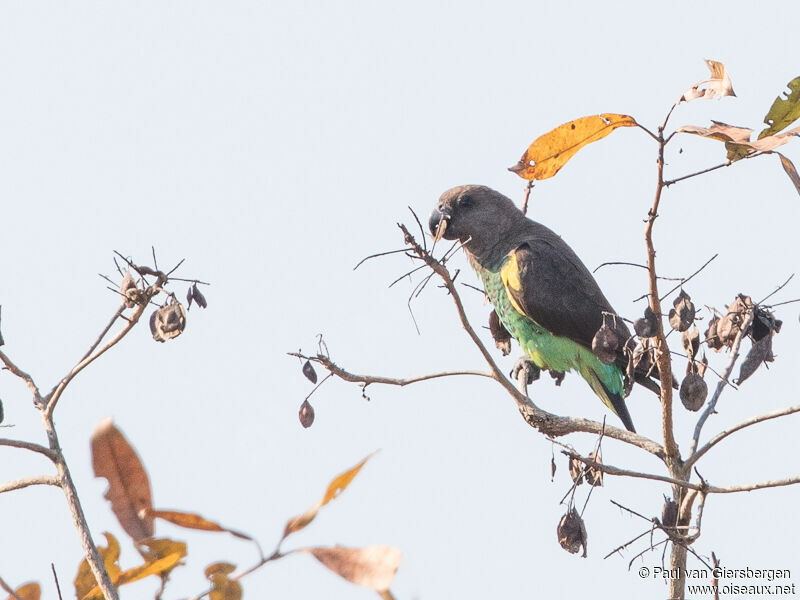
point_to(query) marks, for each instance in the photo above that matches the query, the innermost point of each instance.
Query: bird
(543, 294)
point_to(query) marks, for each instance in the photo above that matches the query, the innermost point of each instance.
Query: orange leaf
(788, 166)
(336, 487)
(128, 485)
(84, 580)
(373, 567)
(222, 587)
(193, 521)
(153, 549)
(29, 591)
(548, 153)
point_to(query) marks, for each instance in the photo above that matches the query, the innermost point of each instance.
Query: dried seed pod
(681, 316)
(669, 513)
(594, 476)
(129, 290)
(2, 415)
(572, 532)
(576, 470)
(693, 392)
(605, 344)
(729, 325)
(552, 467)
(197, 296)
(647, 326)
(643, 355)
(760, 352)
(168, 322)
(502, 339)
(690, 339)
(712, 337)
(309, 372)
(306, 414)
(701, 366)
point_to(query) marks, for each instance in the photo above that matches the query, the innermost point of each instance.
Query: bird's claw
(527, 366)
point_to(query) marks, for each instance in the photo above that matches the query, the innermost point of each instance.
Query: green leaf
(784, 111)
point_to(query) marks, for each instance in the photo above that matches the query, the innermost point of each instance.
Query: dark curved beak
(438, 224)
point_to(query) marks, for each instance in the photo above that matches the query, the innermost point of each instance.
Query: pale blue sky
(274, 145)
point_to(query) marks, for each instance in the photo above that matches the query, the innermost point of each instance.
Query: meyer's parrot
(541, 291)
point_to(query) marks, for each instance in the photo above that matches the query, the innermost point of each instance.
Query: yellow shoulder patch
(509, 275)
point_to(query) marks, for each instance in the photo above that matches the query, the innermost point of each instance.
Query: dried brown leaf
(373, 566)
(551, 151)
(114, 458)
(719, 131)
(719, 84)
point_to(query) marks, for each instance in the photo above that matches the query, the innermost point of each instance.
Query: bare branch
(365, 380)
(683, 281)
(712, 403)
(52, 398)
(662, 358)
(752, 421)
(612, 470)
(103, 333)
(9, 364)
(18, 484)
(749, 487)
(776, 290)
(9, 589)
(29, 446)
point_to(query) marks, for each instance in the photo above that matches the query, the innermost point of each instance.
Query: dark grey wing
(558, 292)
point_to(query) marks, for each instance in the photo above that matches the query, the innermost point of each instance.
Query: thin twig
(9, 364)
(690, 175)
(775, 291)
(525, 198)
(752, 421)
(9, 589)
(378, 254)
(684, 281)
(55, 578)
(103, 333)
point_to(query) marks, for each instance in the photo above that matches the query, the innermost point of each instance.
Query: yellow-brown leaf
(128, 485)
(373, 567)
(84, 580)
(336, 487)
(193, 521)
(156, 567)
(548, 153)
(29, 591)
(222, 587)
(153, 549)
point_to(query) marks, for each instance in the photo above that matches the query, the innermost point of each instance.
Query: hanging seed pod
(693, 392)
(2, 415)
(594, 476)
(712, 337)
(309, 372)
(681, 316)
(576, 470)
(690, 339)
(502, 339)
(572, 533)
(195, 294)
(646, 326)
(306, 414)
(669, 513)
(760, 352)
(168, 322)
(605, 344)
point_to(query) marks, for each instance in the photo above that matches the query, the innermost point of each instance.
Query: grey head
(483, 220)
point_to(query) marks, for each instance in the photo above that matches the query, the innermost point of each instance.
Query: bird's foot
(528, 367)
